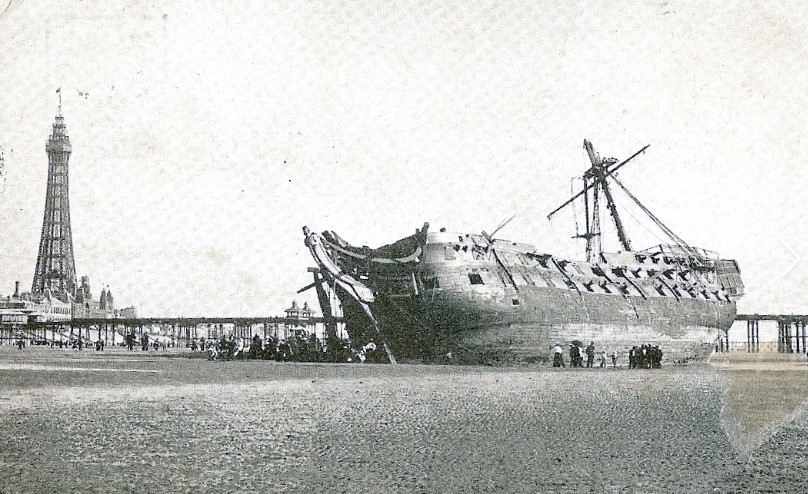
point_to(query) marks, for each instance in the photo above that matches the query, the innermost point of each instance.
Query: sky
(206, 135)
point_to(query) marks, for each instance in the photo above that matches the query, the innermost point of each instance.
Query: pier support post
(748, 336)
(804, 349)
(753, 331)
(789, 347)
(791, 337)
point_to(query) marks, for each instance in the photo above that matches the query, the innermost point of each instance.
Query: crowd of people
(294, 349)
(643, 357)
(77, 343)
(299, 348)
(147, 343)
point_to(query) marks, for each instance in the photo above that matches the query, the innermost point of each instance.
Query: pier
(182, 330)
(791, 332)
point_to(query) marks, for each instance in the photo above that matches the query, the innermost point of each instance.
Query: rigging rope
(642, 225)
(574, 211)
(676, 239)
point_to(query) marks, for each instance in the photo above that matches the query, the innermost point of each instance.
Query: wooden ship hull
(475, 298)
(484, 300)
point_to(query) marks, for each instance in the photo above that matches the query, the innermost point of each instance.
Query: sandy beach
(151, 422)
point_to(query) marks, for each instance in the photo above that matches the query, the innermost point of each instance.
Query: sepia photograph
(416, 246)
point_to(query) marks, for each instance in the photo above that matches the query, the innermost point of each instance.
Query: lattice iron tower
(55, 266)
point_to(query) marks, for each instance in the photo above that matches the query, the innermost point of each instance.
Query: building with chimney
(20, 308)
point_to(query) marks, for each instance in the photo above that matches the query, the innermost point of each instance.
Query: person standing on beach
(614, 359)
(657, 357)
(590, 355)
(558, 356)
(575, 355)
(256, 347)
(603, 359)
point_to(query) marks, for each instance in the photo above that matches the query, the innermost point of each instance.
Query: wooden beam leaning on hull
(356, 289)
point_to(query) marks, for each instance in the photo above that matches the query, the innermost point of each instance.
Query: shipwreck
(481, 299)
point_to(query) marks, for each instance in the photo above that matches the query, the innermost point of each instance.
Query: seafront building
(24, 307)
(299, 321)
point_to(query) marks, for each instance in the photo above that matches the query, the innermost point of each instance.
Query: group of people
(293, 349)
(645, 357)
(146, 343)
(78, 343)
(642, 357)
(232, 348)
(577, 354)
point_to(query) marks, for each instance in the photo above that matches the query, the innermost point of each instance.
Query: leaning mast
(598, 170)
(595, 180)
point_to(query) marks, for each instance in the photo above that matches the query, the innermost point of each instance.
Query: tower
(55, 266)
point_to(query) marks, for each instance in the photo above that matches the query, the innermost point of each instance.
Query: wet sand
(139, 422)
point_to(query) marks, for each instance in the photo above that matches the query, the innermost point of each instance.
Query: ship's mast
(598, 172)
(592, 234)
(594, 182)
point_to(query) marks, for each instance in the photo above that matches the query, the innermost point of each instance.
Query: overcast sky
(205, 137)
